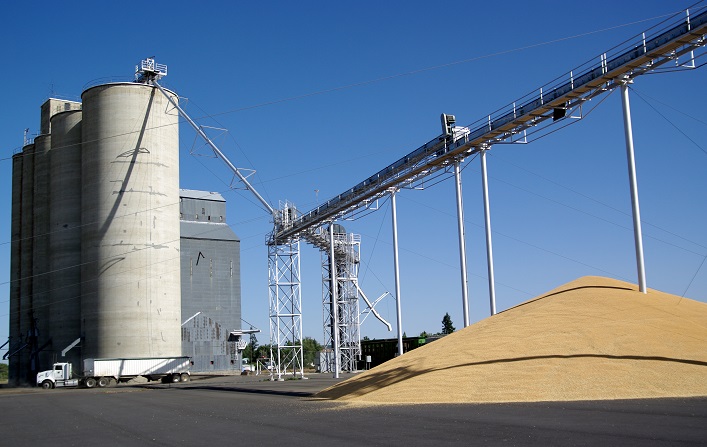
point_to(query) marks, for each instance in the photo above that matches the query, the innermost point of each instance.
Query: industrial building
(108, 258)
(210, 269)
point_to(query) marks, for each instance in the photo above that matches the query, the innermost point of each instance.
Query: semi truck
(106, 372)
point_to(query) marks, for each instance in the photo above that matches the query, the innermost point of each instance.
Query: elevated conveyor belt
(678, 36)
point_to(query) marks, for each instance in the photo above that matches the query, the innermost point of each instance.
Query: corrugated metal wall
(211, 283)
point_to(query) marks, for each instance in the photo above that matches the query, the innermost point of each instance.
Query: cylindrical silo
(131, 302)
(26, 240)
(65, 236)
(40, 245)
(15, 269)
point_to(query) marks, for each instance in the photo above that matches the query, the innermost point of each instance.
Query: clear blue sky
(560, 206)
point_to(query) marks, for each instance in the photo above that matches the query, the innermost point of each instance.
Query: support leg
(462, 243)
(397, 272)
(637, 234)
(489, 243)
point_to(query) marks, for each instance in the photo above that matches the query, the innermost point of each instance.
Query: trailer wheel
(90, 382)
(176, 378)
(185, 377)
(103, 382)
(47, 385)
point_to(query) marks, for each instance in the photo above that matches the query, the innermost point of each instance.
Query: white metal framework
(341, 314)
(349, 325)
(149, 70)
(673, 42)
(285, 298)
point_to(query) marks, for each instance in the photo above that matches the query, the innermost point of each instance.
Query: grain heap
(591, 339)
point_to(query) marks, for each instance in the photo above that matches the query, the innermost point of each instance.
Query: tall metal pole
(462, 242)
(637, 234)
(335, 302)
(397, 272)
(489, 243)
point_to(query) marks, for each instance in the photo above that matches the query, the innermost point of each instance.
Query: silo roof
(206, 230)
(201, 195)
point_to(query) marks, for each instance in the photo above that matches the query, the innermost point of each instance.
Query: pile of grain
(591, 339)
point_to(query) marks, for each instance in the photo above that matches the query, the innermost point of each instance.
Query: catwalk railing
(681, 35)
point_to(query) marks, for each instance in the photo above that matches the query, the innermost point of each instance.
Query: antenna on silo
(148, 70)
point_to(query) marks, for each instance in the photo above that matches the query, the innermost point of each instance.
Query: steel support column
(462, 242)
(637, 234)
(396, 269)
(489, 243)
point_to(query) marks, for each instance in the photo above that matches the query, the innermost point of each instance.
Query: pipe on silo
(131, 297)
(40, 245)
(65, 235)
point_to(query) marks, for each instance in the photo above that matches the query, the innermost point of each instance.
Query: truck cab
(59, 376)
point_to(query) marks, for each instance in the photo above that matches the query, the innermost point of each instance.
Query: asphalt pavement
(234, 410)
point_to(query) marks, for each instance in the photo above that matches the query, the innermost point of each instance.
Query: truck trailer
(105, 372)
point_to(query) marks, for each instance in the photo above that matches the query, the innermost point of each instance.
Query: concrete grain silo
(51, 107)
(130, 257)
(26, 329)
(40, 254)
(64, 171)
(15, 269)
(95, 240)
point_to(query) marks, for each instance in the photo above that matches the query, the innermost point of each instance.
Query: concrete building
(65, 234)
(130, 293)
(30, 309)
(108, 259)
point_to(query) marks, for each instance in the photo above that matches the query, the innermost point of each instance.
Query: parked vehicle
(105, 372)
(247, 366)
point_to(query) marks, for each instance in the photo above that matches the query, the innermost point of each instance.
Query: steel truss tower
(285, 298)
(347, 248)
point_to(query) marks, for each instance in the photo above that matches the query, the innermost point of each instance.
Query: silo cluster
(95, 253)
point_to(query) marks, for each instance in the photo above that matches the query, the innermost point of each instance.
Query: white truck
(246, 365)
(105, 372)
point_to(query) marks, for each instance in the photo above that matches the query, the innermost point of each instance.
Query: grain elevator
(96, 260)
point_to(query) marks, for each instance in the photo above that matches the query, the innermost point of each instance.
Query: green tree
(310, 351)
(447, 326)
(263, 352)
(310, 348)
(3, 372)
(251, 350)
